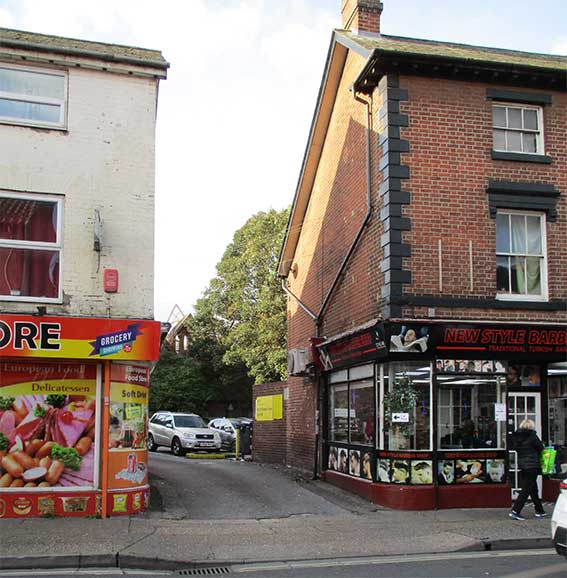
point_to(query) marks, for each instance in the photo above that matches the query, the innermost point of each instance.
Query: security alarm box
(110, 280)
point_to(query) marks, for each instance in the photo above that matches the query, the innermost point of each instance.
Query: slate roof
(70, 46)
(449, 50)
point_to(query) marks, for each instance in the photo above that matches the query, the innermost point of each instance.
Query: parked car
(181, 432)
(227, 427)
(559, 521)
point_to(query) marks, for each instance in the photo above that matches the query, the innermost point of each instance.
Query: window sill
(36, 125)
(36, 300)
(522, 157)
(522, 298)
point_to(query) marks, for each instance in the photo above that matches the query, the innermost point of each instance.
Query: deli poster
(48, 415)
(128, 426)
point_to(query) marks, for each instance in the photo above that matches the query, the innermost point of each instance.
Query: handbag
(547, 460)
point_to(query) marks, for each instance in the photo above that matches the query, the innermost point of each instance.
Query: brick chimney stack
(362, 15)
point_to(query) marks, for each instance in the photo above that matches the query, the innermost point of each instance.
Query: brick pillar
(361, 15)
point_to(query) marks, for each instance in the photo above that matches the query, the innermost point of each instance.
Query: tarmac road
(217, 489)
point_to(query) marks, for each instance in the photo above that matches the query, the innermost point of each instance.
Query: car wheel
(151, 443)
(176, 448)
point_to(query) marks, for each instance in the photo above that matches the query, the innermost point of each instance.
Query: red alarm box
(110, 280)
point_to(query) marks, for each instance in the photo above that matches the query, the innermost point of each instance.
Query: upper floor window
(517, 129)
(520, 255)
(33, 97)
(30, 247)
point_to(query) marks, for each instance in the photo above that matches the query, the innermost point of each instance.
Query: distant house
(425, 260)
(77, 127)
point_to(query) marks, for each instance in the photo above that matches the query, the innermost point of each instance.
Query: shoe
(540, 515)
(515, 516)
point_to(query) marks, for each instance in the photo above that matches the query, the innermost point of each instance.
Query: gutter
(80, 52)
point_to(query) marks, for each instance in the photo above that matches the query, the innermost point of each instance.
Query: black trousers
(528, 485)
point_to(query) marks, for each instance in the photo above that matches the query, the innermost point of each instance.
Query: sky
(235, 111)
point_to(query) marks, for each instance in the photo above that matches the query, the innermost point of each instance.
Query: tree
(244, 305)
(179, 384)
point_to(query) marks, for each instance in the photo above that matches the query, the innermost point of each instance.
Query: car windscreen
(189, 421)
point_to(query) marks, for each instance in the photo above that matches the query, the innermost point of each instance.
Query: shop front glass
(415, 433)
(557, 404)
(351, 421)
(466, 407)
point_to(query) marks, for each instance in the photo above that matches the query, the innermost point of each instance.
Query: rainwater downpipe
(318, 318)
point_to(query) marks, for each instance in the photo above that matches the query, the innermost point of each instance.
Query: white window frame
(540, 141)
(38, 245)
(62, 103)
(544, 287)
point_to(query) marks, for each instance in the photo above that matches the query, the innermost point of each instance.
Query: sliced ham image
(7, 422)
(68, 434)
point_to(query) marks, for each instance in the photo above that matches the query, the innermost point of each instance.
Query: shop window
(415, 433)
(361, 410)
(30, 247)
(338, 413)
(557, 384)
(466, 411)
(351, 406)
(33, 97)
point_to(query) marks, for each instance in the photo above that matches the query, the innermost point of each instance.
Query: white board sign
(400, 417)
(500, 412)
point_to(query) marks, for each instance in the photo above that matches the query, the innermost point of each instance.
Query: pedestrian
(528, 447)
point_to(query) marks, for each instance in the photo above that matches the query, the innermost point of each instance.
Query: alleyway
(225, 489)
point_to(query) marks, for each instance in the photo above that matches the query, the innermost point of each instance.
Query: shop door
(522, 406)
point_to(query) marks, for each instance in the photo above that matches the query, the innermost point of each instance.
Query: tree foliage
(179, 384)
(244, 305)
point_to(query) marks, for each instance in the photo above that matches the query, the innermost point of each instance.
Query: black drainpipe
(318, 318)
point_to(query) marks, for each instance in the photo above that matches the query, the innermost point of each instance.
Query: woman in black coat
(528, 447)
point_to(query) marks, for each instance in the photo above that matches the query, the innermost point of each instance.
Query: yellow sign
(269, 407)
(127, 393)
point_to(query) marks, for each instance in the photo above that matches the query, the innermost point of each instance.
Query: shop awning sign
(79, 338)
(358, 347)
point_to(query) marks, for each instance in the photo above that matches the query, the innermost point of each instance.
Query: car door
(157, 429)
(168, 429)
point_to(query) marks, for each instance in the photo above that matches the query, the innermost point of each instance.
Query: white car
(559, 521)
(181, 432)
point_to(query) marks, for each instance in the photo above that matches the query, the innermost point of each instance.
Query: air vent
(213, 571)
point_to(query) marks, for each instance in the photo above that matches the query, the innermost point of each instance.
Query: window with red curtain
(30, 250)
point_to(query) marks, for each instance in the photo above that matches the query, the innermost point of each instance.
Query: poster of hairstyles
(470, 471)
(496, 471)
(354, 463)
(383, 471)
(400, 471)
(367, 466)
(445, 472)
(410, 340)
(333, 458)
(421, 472)
(343, 461)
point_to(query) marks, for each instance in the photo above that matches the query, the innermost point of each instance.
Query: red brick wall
(336, 211)
(450, 135)
(269, 438)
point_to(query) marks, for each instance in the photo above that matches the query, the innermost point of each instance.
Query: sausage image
(54, 472)
(26, 461)
(44, 450)
(31, 485)
(45, 462)
(12, 466)
(44, 485)
(20, 409)
(18, 483)
(33, 446)
(34, 474)
(6, 480)
(83, 445)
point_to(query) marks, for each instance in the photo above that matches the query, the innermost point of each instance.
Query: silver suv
(181, 432)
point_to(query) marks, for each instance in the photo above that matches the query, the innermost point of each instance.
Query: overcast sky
(235, 111)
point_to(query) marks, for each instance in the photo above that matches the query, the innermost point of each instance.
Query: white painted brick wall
(104, 161)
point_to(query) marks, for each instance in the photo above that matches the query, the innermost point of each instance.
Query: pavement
(161, 539)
